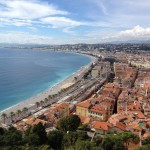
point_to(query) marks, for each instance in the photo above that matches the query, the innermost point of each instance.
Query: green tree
(32, 139)
(82, 135)
(119, 141)
(128, 137)
(84, 127)
(2, 131)
(12, 137)
(4, 115)
(55, 139)
(45, 147)
(49, 97)
(19, 112)
(146, 141)
(144, 147)
(70, 138)
(46, 100)
(69, 123)
(25, 110)
(113, 142)
(41, 102)
(37, 104)
(39, 130)
(86, 145)
(12, 114)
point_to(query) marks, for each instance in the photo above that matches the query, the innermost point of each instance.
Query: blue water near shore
(25, 73)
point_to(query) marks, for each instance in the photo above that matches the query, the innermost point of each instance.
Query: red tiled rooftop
(85, 104)
(98, 109)
(98, 125)
(121, 126)
(34, 121)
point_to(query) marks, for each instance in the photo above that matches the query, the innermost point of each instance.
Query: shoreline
(50, 91)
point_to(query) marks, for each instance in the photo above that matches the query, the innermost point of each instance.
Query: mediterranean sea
(24, 72)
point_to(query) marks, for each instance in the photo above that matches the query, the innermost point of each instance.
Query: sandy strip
(53, 90)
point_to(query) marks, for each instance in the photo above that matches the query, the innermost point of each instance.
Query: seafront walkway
(77, 92)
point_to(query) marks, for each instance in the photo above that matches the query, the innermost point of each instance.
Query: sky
(74, 21)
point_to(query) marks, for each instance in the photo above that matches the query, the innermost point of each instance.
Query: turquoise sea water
(25, 73)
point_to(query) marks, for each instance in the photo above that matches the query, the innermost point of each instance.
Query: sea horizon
(41, 62)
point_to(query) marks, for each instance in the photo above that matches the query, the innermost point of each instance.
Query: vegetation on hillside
(70, 135)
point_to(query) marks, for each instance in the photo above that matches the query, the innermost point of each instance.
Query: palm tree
(52, 96)
(37, 104)
(46, 100)
(25, 109)
(4, 117)
(55, 95)
(59, 92)
(41, 102)
(75, 78)
(19, 112)
(12, 114)
(49, 97)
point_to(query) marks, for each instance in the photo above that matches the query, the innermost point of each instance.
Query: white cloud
(136, 34)
(67, 24)
(61, 22)
(109, 18)
(123, 13)
(15, 22)
(25, 38)
(100, 4)
(33, 29)
(27, 9)
(24, 13)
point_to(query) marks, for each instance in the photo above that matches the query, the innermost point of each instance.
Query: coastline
(52, 90)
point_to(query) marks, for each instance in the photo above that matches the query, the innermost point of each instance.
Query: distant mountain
(129, 41)
(82, 44)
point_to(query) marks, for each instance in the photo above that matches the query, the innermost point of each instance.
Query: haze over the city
(76, 21)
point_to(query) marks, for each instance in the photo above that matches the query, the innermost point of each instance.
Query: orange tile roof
(140, 115)
(34, 121)
(110, 89)
(85, 120)
(134, 107)
(58, 108)
(85, 104)
(98, 109)
(121, 126)
(146, 135)
(134, 126)
(98, 125)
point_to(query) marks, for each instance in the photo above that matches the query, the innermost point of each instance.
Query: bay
(24, 72)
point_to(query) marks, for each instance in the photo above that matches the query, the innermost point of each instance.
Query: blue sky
(73, 21)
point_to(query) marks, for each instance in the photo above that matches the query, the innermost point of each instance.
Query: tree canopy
(36, 138)
(69, 123)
